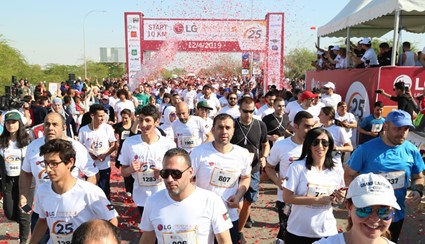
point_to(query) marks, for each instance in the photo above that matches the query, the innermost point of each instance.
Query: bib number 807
(223, 178)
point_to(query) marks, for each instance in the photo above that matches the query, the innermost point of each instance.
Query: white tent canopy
(376, 18)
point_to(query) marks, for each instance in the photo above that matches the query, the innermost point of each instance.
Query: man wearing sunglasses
(141, 156)
(232, 107)
(183, 213)
(394, 158)
(65, 202)
(329, 97)
(223, 168)
(251, 134)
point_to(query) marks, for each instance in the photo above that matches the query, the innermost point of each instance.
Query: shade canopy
(375, 18)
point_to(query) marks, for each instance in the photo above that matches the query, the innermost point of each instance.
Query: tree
(298, 61)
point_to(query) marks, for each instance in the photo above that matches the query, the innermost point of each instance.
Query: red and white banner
(207, 35)
(134, 55)
(357, 86)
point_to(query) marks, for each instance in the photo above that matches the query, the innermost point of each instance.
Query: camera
(378, 91)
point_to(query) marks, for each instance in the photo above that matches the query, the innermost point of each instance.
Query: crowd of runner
(192, 152)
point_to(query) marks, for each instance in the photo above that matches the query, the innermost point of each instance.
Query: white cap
(320, 52)
(371, 189)
(329, 85)
(365, 41)
(335, 48)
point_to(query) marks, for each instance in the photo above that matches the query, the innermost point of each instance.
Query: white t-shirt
(234, 112)
(13, 156)
(312, 221)
(349, 117)
(145, 184)
(113, 101)
(292, 105)
(32, 161)
(97, 142)
(340, 137)
(371, 56)
(331, 100)
(195, 219)
(312, 110)
(223, 101)
(191, 134)
(120, 106)
(220, 172)
(65, 212)
(285, 152)
(338, 239)
(265, 110)
(189, 97)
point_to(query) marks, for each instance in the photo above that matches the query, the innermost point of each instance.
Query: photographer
(403, 97)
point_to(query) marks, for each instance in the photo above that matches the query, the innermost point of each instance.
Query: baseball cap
(365, 41)
(307, 95)
(12, 116)
(320, 52)
(203, 104)
(329, 85)
(335, 48)
(400, 118)
(371, 189)
(207, 86)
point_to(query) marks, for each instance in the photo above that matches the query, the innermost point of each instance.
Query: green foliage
(298, 61)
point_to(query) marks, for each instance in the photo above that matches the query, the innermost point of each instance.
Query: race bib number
(189, 141)
(147, 178)
(185, 237)
(98, 147)
(315, 190)
(223, 178)
(396, 178)
(125, 135)
(13, 166)
(62, 232)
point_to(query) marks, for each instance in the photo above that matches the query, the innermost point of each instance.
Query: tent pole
(318, 41)
(347, 48)
(395, 37)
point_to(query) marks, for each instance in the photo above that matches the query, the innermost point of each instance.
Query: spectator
(385, 52)
(403, 98)
(408, 58)
(369, 59)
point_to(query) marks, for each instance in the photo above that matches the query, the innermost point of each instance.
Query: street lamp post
(84, 37)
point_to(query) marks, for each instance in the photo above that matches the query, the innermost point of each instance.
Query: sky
(51, 31)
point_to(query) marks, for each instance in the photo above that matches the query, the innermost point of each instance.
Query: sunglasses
(324, 142)
(175, 173)
(233, 98)
(325, 88)
(173, 115)
(384, 213)
(247, 111)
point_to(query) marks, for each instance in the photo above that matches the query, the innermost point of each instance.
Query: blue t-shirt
(368, 123)
(377, 157)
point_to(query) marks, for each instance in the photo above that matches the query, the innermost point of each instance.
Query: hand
(374, 134)
(156, 172)
(413, 199)
(338, 196)
(273, 138)
(22, 201)
(136, 165)
(101, 157)
(233, 201)
(92, 156)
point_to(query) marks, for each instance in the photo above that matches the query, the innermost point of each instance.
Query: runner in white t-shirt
(311, 185)
(33, 166)
(284, 153)
(183, 213)
(223, 168)
(99, 139)
(141, 156)
(122, 104)
(189, 131)
(66, 202)
(232, 107)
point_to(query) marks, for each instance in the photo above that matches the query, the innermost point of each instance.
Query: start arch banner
(207, 35)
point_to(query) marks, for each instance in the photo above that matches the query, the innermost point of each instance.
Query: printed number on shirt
(315, 190)
(147, 178)
(396, 178)
(223, 178)
(62, 232)
(185, 237)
